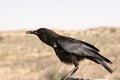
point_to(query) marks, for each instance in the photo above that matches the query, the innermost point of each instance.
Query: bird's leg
(70, 73)
(75, 62)
(73, 71)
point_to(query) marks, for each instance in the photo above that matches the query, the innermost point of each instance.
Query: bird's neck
(49, 39)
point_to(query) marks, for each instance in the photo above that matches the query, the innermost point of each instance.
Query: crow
(70, 50)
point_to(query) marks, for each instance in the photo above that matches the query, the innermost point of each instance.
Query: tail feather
(105, 66)
(107, 60)
(102, 57)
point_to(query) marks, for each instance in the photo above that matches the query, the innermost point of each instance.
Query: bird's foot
(71, 78)
(66, 77)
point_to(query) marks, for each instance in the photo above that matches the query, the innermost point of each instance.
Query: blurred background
(24, 57)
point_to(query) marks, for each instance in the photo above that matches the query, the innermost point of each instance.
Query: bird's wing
(77, 47)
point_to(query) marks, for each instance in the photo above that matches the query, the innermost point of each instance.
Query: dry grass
(24, 57)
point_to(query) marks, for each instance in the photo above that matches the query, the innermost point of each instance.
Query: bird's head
(46, 35)
(38, 32)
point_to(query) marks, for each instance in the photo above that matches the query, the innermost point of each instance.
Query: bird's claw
(66, 77)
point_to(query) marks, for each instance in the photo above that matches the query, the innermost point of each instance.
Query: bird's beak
(31, 32)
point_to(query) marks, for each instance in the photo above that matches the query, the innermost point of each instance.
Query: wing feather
(77, 47)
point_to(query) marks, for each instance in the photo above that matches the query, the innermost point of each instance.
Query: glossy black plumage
(70, 50)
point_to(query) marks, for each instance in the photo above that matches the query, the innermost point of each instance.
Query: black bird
(70, 50)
